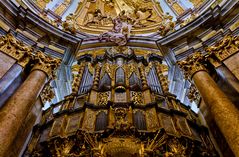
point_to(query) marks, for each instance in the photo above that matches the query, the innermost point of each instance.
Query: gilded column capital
(192, 64)
(224, 48)
(45, 63)
(16, 49)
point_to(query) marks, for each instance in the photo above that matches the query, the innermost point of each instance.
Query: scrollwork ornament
(47, 93)
(103, 98)
(194, 94)
(192, 64)
(46, 64)
(137, 98)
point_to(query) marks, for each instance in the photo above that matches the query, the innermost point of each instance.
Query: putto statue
(167, 25)
(70, 24)
(120, 31)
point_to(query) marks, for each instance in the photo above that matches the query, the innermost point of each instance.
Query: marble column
(15, 110)
(222, 109)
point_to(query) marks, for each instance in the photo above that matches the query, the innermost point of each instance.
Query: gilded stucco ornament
(143, 77)
(137, 98)
(97, 77)
(109, 69)
(194, 94)
(45, 63)
(16, 49)
(77, 78)
(132, 68)
(70, 24)
(120, 31)
(47, 93)
(228, 46)
(167, 25)
(103, 98)
(193, 16)
(160, 69)
(192, 64)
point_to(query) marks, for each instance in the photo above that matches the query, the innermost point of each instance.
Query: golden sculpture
(167, 25)
(70, 24)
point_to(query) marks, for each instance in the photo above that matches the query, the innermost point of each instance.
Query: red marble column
(222, 109)
(14, 112)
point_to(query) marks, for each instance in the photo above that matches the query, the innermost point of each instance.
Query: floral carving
(137, 98)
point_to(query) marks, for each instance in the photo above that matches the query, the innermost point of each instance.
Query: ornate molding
(16, 49)
(45, 63)
(47, 93)
(137, 98)
(193, 94)
(192, 64)
(143, 77)
(96, 77)
(228, 46)
(103, 98)
(77, 78)
(160, 69)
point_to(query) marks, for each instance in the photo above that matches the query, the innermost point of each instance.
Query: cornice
(27, 16)
(212, 16)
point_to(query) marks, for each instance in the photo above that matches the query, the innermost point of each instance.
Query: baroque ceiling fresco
(129, 17)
